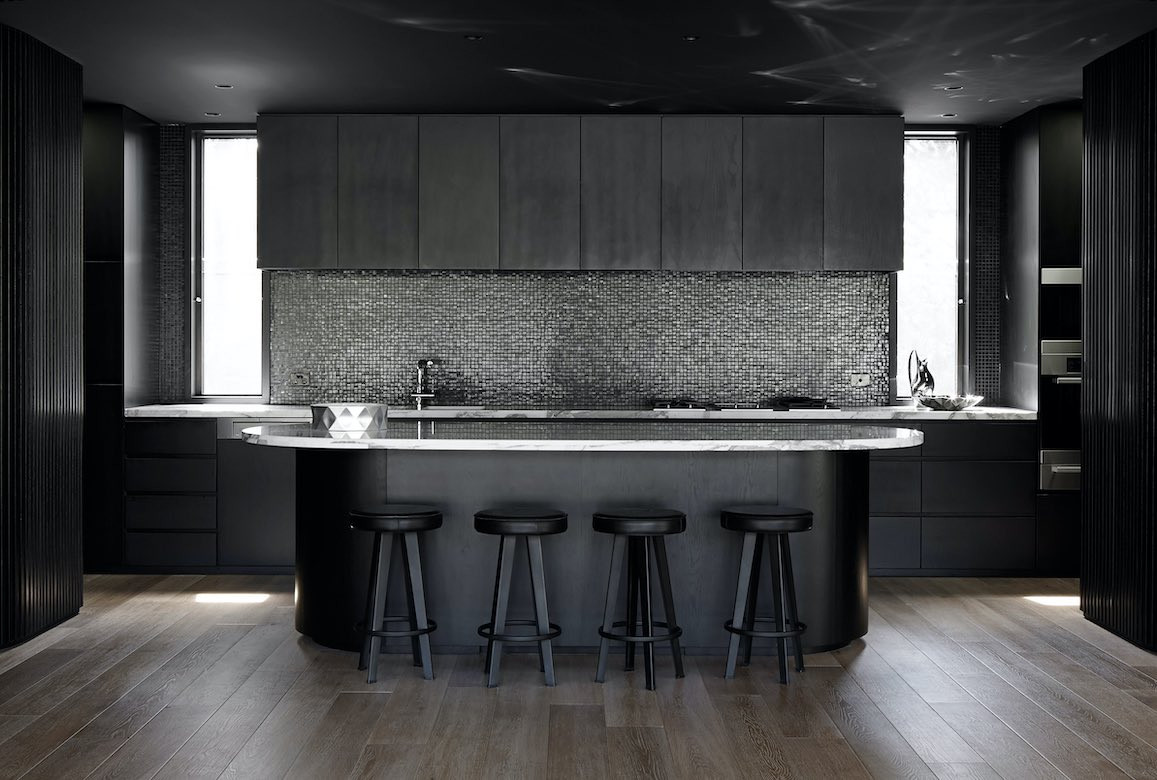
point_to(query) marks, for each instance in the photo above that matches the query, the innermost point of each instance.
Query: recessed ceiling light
(948, 116)
(473, 37)
(953, 87)
(690, 38)
(223, 86)
(212, 113)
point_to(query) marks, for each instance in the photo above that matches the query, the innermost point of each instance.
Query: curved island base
(830, 561)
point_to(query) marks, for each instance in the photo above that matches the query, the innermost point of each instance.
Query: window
(931, 290)
(227, 286)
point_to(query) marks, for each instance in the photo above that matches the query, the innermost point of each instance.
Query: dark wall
(41, 353)
(984, 264)
(1118, 414)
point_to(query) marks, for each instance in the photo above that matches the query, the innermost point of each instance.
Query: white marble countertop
(591, 436)
(868, 413)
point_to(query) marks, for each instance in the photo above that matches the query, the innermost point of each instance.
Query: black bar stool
(756, 523)
(402, 523)
(639, 536)
(528, 525)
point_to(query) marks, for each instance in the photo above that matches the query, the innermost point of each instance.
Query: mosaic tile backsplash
(577, 340)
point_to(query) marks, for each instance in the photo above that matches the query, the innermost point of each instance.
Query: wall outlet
(299, 378)
(859, 380)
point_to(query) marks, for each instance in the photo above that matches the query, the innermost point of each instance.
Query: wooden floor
(956, 678)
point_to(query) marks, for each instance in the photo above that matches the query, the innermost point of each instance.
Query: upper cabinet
(685, 193)
(620, 192)
(539, 186)
(458, 192)
(863, 193)
(297, 192)
(783, 193)
(377, 191)
(702, 193)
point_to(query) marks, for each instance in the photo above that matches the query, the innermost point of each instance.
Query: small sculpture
(920, 380)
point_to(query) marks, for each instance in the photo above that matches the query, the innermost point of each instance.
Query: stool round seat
(640, 521)
(520, 521)
(396, 518)
(766, 519)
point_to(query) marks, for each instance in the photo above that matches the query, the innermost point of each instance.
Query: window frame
(195, 135)
(964, 375)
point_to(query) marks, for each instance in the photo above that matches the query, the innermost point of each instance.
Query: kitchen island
(697, 467)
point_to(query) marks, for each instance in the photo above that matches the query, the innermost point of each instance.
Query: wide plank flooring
(955, 678)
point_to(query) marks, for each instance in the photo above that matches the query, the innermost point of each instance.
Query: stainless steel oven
(1060, 469)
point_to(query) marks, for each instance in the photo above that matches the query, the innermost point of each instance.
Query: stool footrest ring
(674, 632)
(788, 634)
(486, 631)
(395, 634)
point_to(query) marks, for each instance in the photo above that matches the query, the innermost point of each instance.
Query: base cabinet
(198, 499)
(255, 504)
(964, 503)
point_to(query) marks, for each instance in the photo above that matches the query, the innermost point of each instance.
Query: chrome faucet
(424, 388)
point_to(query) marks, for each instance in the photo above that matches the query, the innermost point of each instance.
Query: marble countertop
(868, 413)
(590, 436)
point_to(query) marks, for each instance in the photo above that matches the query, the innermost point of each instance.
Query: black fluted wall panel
(41, 400)
(1119, 405)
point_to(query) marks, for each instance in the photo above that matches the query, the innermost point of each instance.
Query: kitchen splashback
(577, 340)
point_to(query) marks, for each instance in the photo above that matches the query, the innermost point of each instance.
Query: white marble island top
(591, 436)
(865, 413)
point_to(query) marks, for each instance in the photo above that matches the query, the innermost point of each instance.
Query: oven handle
(1066, 469)
(1067, 380)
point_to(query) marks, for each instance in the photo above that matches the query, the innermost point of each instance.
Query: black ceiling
(163, 57)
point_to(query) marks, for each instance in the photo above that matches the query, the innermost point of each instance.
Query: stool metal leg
(743, 584)
(617, 553)
(648, 616)
(415, 647)
(668, 600)
(777, 598)
(534, 599)
(633, 576)
(538, 587)
(789, 586)
(506, 550)
(752, 599)
(494, 603)
(414, 570)
(375, 608)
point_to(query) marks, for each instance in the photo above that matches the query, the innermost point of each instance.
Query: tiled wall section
(985, 262)
(578, 340)
(173, 323)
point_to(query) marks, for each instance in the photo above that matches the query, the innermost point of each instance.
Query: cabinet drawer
(893, 542)
(170, 475)
(980, 440)
(171, 549)
(978, 487)
(178, 513)
(894, 486)
(978, 542)
(146, 438)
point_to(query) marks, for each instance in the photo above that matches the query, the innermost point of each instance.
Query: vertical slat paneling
(1119, 424)
(41, 400)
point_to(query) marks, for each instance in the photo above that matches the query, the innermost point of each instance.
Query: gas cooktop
(781, 403)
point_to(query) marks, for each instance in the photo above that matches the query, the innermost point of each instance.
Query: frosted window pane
(926, 294)
(230, 281)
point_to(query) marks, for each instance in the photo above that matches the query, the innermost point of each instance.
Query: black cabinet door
(702, 193)
(297, 192)
(979, 487)
(864, 193)
(620, 192)
(458, 192)
(893, 542)
(783, 193)
(895, 486)
(255, 505)
(539, 186)
(377, 193)
(984, 543)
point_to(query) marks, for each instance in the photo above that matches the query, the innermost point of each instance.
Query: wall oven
(1060, 414)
